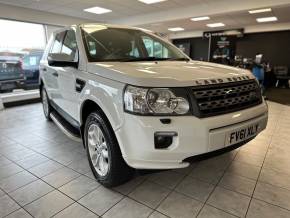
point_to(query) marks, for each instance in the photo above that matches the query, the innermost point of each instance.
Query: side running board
(65, 127)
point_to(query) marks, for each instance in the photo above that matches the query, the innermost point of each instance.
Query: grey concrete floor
(45, 174)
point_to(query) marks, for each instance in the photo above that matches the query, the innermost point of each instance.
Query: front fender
(108, 95)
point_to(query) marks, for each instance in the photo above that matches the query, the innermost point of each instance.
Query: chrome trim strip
(64, 130)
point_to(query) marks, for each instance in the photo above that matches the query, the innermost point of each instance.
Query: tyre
(45, 104)
(103, 152)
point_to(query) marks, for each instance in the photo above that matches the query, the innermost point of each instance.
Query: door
(50, 73)
(67, 77)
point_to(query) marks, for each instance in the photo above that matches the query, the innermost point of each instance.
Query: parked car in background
(11, 73)
(30, 68)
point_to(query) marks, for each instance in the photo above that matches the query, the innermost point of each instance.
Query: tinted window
(112, 43)
(118, 44)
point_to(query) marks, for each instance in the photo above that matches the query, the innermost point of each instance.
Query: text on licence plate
(243, 134)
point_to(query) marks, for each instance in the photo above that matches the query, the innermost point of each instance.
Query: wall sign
(237, 33)
(222, 45)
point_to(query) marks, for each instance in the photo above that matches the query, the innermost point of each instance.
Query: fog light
(163, 140)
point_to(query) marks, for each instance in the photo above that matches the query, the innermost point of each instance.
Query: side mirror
(61, 60)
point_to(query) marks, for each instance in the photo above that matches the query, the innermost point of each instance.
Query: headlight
(156, 101)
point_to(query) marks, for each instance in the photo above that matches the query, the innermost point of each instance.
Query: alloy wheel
(98, 150)
(45, 103)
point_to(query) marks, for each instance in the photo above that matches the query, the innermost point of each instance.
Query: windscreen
(118, 44)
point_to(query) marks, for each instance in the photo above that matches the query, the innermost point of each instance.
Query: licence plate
(242, 134)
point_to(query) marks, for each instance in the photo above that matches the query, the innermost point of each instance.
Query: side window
(92, 48)
(155, 48)
(56, 47)
(148, 42)
(69, 46)
(134, 52)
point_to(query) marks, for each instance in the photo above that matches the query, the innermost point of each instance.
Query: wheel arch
(122, 172)
(87, 107)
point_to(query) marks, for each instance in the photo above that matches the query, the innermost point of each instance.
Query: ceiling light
(151, 1)
(213, 25)
(200, 18)
(98, 10)
(175, 29)
(266, 19)
(263, 10)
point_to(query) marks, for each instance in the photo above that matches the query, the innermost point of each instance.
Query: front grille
(225, 98)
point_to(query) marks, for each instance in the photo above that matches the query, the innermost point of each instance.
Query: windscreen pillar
(1, 104)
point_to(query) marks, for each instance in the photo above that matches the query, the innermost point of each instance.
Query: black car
(11, 73)
(30, 68)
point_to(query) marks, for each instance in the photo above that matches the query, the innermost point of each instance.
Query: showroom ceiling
(231, 20)
(167, 14)
(120, 8)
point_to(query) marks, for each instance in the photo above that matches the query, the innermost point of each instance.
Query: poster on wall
(222, 46)
(223, 49)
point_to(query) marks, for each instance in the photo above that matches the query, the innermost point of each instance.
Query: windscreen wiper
(178, 59)
(155, 59)
(144, 59)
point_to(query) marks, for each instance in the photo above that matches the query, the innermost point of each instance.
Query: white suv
(136, 101)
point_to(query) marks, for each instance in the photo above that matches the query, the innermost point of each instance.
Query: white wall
(34, 16)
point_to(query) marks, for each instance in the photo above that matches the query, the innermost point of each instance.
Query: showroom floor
(43, 173)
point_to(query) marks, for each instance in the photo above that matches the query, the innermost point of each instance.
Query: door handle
(55, 74)
(44, 69)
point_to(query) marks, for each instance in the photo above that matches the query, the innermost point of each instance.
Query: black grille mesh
(224, 98)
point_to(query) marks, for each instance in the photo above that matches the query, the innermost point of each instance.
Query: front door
(67, 76)
(50, 73)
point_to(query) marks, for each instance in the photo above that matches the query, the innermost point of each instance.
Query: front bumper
(195, 136)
